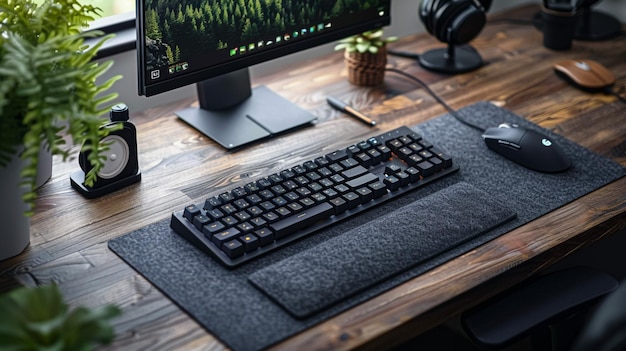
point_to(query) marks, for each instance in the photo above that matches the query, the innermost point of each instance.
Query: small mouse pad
(344, 265)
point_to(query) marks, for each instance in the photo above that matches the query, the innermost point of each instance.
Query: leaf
(363, 48)
(375, 34)
(39, 319)
(391, 39)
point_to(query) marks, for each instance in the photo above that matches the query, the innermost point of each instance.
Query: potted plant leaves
(48, 93)
(38, 319)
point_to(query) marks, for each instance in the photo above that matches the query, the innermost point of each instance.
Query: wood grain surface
(180, 166)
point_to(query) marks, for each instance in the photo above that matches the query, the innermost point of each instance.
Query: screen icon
(156, 74)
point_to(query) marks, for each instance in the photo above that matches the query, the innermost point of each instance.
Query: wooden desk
(69, 233)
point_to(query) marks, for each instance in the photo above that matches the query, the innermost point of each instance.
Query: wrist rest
(314, 279)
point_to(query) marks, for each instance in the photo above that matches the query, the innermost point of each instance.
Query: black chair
(575, 309)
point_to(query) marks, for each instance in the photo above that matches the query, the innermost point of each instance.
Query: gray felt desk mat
(241, 316)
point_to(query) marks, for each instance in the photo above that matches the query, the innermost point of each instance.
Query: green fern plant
(370, 41)
(38, 319)
(48, 87)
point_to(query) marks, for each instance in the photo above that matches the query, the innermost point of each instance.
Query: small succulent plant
(370, 41)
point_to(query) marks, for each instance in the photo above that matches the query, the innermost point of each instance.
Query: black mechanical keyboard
(261, 216)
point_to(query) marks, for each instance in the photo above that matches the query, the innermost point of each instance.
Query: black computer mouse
(527, 147)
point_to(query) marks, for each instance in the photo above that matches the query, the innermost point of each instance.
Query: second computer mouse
(585, 74)
(527, 147)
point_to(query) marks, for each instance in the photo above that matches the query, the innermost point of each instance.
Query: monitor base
(263, 115)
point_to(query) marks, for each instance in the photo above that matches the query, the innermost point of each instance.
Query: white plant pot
(15, 230)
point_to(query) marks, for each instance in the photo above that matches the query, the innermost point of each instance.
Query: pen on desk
(344, 107)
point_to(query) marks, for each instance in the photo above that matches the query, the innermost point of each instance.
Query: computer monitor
(212, 43)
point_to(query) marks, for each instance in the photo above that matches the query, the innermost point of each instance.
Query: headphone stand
(453, 59)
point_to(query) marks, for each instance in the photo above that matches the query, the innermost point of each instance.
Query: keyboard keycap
(354, 172)
(250, 242)
(225, 236)
(234, 248)
(337, 156)
(265, 236)
(426, 168)
(362, 180)
(191, 211)
(210, 229)
(289, 225)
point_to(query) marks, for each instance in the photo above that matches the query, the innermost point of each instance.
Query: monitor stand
(234, 115)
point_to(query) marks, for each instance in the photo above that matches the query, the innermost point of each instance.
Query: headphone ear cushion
(424, 13)
(427, 12)
(486, 4)
(445, 15)
(437, 5)
(465, 27)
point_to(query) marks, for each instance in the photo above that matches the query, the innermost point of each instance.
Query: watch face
(117, 156)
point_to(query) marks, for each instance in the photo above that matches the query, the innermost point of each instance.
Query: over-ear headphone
(454, 22)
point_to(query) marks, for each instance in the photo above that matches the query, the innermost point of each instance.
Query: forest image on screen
(183, 31)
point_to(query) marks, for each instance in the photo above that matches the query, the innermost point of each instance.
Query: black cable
(452, 111)
(414, 56)
(404, 54)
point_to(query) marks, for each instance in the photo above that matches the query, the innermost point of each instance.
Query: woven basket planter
(366, 69)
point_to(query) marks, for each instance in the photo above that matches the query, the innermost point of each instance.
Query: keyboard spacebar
(289, 225)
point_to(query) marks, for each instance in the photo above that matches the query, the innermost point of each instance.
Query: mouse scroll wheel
(507, 125)
(583, 66)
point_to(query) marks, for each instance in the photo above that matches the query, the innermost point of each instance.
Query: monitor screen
(182, 42)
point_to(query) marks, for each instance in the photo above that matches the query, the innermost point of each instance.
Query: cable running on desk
(452, 111)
